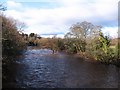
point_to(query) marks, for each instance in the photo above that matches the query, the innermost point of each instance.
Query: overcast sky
(56, 16)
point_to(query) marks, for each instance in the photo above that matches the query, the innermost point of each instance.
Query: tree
(2, 7)
(12, 40)
(31, 34)
(105, 42)
(68, 35)
(84, 31)
(20, 26)
(32, 39)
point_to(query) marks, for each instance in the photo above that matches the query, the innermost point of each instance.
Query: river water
(39, 68)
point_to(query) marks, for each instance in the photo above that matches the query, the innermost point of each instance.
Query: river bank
(84, 56)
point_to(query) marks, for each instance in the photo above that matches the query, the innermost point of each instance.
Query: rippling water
(39, 68)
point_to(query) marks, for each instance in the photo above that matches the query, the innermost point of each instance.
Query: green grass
(112, 47)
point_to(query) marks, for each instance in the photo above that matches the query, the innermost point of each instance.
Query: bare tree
(68, 35)
(84, 31)
(2, 7)
(20, 26)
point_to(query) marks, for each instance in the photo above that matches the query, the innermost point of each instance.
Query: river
(39, 68)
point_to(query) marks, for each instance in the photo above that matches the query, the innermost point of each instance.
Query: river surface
(39, 68)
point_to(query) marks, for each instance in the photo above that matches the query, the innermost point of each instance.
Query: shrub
(12, 40)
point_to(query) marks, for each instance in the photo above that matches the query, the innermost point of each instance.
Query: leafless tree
(2, 7)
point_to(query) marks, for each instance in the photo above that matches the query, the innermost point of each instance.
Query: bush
(12, 40)
(60, 44)
(99, 48)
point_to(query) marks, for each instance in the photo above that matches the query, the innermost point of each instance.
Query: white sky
(56, 16)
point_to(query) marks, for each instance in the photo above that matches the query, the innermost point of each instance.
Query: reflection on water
(39, 68)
